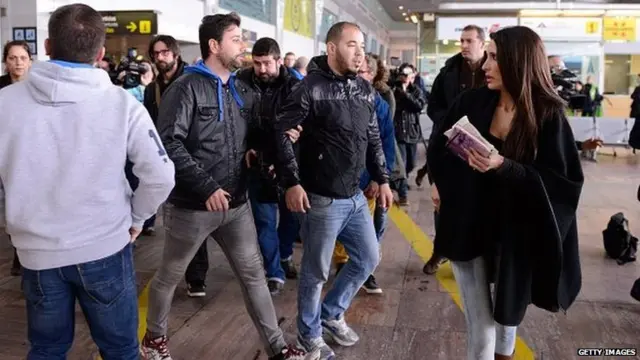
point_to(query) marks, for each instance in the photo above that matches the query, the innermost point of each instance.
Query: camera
(566, 83)
(132, 68)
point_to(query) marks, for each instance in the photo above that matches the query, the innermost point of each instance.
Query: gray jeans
(485, 337)
(234, 230)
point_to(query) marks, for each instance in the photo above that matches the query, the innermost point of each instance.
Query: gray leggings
(485, 337)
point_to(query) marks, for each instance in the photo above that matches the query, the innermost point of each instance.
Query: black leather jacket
(150, 102)
(204, 130)
(406, 120)
(340, 133)
(264, 99)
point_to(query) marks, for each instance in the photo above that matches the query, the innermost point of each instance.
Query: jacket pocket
(208, 113)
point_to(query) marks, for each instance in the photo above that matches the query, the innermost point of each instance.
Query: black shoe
(420, 176)
(150, 231)
(432, 266)
(290, 271)
(371, 286)
(294, 353)
(635, 290)
(196, 290)
(274, 287)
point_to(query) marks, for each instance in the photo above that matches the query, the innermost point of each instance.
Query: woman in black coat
(16, 58)
(510, 218)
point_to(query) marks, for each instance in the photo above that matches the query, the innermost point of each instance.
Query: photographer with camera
(569, 88)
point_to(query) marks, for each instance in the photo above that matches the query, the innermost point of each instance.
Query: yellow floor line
(423, 246)
(143, 301)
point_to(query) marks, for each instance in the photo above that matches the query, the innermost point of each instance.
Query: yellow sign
(299, 17)
(591, 27)
(145, 27)
(619, 28)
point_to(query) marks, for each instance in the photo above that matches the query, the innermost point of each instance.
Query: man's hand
(372, 190)
(297, 200)
(294, 134)
(218, 201)
(249, 155)
(134, 233)
(591, 144)
(385, 196)
(435, 197)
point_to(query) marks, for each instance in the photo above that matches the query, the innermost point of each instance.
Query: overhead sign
(130, 22)
(450, 28)
(565, 28)
(619, 28)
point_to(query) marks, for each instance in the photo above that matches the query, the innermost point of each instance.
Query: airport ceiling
(420, 6)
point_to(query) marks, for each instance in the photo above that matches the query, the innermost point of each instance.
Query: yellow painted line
(423, 246)
(143, 305)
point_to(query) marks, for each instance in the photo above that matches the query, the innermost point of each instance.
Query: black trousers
(197, 270)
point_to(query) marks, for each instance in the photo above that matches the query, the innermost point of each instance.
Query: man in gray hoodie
(65, 134)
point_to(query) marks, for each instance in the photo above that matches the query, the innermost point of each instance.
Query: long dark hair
(526, 76)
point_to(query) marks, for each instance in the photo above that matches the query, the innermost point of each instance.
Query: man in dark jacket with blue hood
(203, 125)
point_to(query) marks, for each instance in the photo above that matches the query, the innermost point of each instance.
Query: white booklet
(464, 136)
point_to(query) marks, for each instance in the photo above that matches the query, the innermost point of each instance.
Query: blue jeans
(380, 218)
(275, 238)
(349, 221)
(107, 293)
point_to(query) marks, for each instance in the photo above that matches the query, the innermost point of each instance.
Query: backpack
(618, 241)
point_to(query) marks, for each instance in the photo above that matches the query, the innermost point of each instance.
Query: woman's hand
(482, 163)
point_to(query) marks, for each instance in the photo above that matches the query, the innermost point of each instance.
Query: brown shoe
(432, 266)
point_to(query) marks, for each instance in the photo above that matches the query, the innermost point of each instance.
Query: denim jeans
(107, 293)
(484, 336)
(379, 223)
(275, 237)
(349, 221)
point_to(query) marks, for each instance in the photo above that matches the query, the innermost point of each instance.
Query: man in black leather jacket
(203, 125)
(165, 53)
(340, 133)
(270, 83)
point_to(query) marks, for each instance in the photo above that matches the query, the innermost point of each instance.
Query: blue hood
(202, 69)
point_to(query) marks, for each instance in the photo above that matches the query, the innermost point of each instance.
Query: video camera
(565, 83)
(132, 68)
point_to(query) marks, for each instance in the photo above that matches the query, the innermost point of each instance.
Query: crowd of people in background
(259, 153)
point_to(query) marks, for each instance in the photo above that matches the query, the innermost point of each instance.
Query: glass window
(258, 9)
(374, 46)
(328, 19)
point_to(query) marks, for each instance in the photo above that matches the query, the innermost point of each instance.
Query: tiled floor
(414, 318)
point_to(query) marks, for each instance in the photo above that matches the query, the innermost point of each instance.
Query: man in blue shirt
(385, 124)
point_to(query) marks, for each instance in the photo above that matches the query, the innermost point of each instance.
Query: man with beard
(203, 127)
(336, 110)
(165, 54)
(271, 83)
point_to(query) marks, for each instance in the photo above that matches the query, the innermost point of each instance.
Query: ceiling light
(407, 19)
(414, 19)
(400, 7)
(404, 14)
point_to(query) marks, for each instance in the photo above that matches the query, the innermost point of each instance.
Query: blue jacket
(387, 135)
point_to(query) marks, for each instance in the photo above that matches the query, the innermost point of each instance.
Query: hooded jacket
(63, 191)
(340, 133)
(203, 125)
